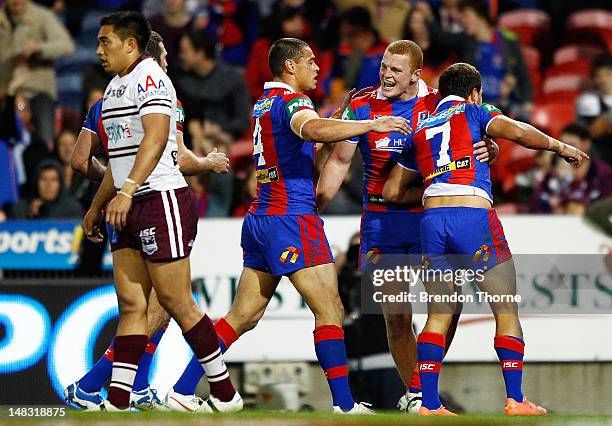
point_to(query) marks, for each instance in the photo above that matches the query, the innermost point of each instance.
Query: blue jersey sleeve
(483, 115)
(407, 158)
(93, 115)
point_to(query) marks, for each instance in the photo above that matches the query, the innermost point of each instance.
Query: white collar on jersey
(421, 93)
(450, 98)
(277, 85)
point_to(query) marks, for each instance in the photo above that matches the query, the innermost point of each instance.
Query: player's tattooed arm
(334, 170)
(528, 136)
(82, 159)
(190, 164)
(397, 188)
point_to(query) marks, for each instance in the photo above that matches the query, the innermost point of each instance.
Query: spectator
(32, 37)
(498, 57)
(171, 24)
(388, 15)
(288, 22)
(358, 58)
(449, 16)
(10, 135)
(50, 200)
(572, 190)
(76, 185)
(210, 89)
(436, 57)
(594, 108)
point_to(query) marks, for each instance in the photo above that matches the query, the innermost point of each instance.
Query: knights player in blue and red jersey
(390, 228)
(282, 233)
(458, 219)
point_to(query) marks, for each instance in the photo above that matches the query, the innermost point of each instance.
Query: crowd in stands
(542, 61)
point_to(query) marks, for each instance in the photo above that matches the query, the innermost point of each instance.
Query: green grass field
(253, 417)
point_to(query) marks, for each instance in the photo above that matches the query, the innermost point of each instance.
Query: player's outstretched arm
(190, 164)
(333, 172)
(82, 158)
(309, 126)
(528, 136)
(397, 190)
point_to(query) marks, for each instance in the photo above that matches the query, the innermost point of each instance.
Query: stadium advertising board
(51, 334)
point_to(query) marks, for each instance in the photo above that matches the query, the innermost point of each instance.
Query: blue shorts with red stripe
(283, 244)
(474, 233)
(390, 233)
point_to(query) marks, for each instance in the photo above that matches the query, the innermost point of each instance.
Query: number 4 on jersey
(257, 145)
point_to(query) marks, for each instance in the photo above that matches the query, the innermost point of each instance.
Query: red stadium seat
(531, 55)
(564, 83)
(530, 25)
(575, 52)
(578, 67)
(553, 117)
(589, 24)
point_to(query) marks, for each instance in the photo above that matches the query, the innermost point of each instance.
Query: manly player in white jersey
(152, 212)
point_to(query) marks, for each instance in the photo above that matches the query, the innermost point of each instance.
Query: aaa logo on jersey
(290, 255)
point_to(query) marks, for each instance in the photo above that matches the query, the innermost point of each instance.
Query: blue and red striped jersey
(93, 123)
(284, 161)
(380, 151)
(443, 147)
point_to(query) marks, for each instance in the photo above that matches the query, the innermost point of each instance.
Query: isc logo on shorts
(147, 238)
(427, 367)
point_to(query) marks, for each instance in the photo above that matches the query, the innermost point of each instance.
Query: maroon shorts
(161, 225)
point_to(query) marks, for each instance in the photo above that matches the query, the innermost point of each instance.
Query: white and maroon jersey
(145, 89)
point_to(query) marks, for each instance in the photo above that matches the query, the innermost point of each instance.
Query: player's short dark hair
(577, 130)
(129, 24)
(283, 49)
(459, 79)
(480, 7)
(603, 60)
(202, 42)
(153, 46)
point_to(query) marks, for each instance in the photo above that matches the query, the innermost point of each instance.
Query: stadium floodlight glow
(28, 327)
(76, 331)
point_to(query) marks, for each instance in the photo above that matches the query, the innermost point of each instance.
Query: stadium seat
(530, 25)
(578, 67)
(589, 24)
(564, 83)
(574, 52)
(553, 117)
(531, 55)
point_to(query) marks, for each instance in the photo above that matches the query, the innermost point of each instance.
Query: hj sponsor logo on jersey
(388, 144)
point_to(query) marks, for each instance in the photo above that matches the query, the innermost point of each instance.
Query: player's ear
(290, 66)
(131, 44)
(475, 97)
(416, 76)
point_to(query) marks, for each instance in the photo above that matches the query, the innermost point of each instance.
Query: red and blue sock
(188, 382)
(510, 352)
(144, 366)
(415, 382)
(430, 351)
(331, 353)
(99, 374)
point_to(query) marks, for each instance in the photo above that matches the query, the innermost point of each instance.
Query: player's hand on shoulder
(219, 163)
(391, 124)
(354, 93)
(91, 225)
(486, 151)
(571, 154)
